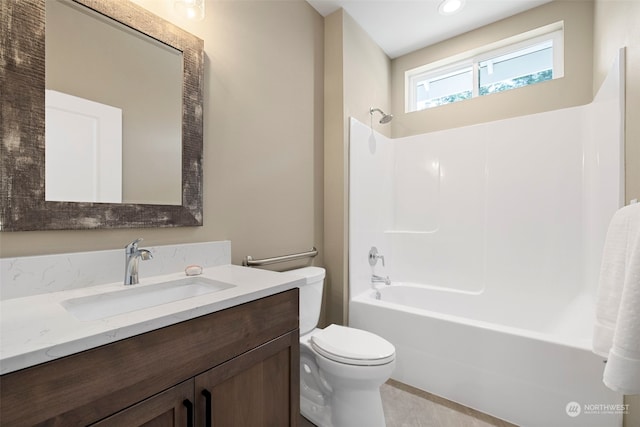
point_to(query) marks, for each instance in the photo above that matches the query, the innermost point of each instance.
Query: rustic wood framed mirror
(24, 205)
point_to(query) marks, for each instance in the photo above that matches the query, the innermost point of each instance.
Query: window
(445, 87)
(523, 60)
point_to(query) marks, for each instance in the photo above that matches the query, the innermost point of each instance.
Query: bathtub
(520, 358)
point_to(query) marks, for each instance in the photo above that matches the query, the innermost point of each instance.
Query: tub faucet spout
(380, 279)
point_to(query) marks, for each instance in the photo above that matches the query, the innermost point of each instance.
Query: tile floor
(405, 406)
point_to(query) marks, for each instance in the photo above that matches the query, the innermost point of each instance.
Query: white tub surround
(492, 236)
(36, 328)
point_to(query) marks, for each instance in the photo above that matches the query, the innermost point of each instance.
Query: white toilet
(341, 368)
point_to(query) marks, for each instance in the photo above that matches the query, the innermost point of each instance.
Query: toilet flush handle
(374, 256)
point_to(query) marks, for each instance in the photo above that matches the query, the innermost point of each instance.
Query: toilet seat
(352, 346)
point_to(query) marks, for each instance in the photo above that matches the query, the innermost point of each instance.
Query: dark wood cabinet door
(259, 388)
(170, 408)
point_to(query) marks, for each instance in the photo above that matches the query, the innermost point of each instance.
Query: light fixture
(191, 9)
(449, 7)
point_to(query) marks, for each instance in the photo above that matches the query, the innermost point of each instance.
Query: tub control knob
(374, 256)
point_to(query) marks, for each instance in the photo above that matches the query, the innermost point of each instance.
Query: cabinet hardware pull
(187, 403)
(207, 417)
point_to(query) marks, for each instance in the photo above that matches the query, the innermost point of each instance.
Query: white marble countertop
(37, 329)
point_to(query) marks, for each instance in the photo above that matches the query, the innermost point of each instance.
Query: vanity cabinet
(235, 367)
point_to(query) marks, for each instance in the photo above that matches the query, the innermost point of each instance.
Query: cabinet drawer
(168, 408)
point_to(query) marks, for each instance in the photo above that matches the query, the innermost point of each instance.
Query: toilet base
(320, 415)
(361, 409)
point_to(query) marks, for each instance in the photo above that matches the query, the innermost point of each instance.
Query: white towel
(616, 334)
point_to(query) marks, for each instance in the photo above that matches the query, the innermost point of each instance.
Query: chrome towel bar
(250, 262)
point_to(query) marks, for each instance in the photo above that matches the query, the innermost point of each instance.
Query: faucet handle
(374, 256)
(133, 245)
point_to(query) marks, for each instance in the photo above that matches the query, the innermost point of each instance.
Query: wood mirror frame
(22, 125)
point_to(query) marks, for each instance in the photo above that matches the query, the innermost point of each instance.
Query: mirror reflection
(113, 118)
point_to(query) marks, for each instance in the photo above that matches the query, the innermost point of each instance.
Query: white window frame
(442, 73)
(554, 32)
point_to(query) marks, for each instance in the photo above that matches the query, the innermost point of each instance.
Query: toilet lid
(352, 346)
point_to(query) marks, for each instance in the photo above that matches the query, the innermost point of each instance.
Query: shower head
(386, 118)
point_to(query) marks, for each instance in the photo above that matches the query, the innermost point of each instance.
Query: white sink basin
(134, 298)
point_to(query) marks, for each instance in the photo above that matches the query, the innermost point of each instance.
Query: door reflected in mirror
(113, 118)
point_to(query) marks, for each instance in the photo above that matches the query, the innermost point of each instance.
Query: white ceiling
(402, 26)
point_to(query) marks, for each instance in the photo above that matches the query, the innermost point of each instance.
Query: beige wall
(573, 89)
(335, 172)
(367, 77)
(357, 77)
(263, 137)
(616, 24)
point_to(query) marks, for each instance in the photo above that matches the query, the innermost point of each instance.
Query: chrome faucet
(133, 257)
(380, 279)
(374, 256)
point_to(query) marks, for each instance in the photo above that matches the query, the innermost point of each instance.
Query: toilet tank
(310, 297)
